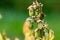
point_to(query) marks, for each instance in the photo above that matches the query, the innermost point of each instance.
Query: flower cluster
(42, 32)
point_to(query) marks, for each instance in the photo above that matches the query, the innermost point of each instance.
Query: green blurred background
(14, 12)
